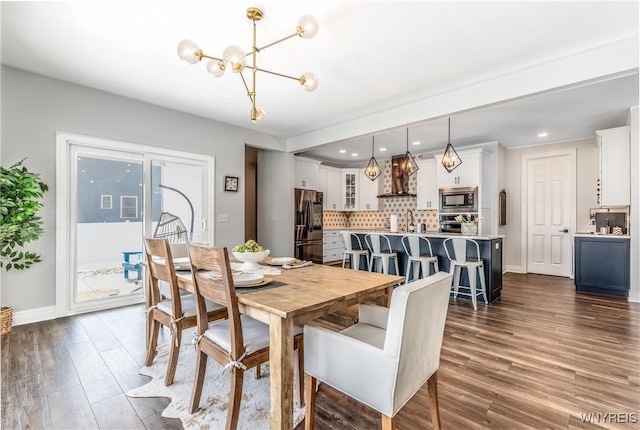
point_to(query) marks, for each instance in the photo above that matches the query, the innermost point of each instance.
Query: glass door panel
(108, 225)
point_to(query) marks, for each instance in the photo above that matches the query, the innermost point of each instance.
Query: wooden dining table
(298, 296)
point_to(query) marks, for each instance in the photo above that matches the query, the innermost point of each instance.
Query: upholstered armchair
(384, 359)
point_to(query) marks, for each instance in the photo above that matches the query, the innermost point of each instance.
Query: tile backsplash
(388, 206)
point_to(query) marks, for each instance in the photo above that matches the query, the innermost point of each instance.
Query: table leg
(281, 372)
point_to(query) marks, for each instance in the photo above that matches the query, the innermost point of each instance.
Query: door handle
(565, 230)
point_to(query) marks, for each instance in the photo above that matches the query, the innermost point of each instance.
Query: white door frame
(524, 228)
(65, 251)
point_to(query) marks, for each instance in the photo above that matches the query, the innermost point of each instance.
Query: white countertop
(427, 234)
(602, 236)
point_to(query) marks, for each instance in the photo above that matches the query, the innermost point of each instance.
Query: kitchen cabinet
(602, 265)
(367, 192)
(350, 181)
(467, 174)
(427, 192)
(329, 184)
(305, 173)
(615, 174)
(332, 246)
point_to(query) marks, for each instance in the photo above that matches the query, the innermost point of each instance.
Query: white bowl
(250, 260)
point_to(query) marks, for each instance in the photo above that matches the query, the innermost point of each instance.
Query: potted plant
(468, 224)
(20, 192)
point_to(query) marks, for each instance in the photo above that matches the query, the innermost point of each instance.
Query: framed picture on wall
(231, 183)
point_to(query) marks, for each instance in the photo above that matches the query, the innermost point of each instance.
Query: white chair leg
(455, 269)
(371, 264)
(472, 285)
(406, 276)
(385, 264)
(435, 266)
(424, 264)
(355, 257)
(344, 259)
(395, 260)
(483, 284)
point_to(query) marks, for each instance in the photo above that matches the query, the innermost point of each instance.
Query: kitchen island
(602, 264)
(490, 251)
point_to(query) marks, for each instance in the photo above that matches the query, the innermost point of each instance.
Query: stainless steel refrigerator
(308, 225)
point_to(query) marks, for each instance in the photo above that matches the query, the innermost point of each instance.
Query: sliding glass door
(115, 194)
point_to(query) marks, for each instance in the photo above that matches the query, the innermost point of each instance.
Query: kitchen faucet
(409, 212)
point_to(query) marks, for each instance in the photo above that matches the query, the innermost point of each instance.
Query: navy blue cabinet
(602, 265)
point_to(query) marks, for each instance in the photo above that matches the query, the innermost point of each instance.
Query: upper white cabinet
(350, 181)
(330, 178)
(305, 173)
(467, 174)
(615, 174)
(367, 192)
(427, 184)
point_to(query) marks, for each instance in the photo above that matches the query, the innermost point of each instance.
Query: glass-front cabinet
(350, 189)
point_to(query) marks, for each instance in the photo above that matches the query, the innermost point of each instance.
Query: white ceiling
(370, 57)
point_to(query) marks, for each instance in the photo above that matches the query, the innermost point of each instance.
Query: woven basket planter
(6, 319)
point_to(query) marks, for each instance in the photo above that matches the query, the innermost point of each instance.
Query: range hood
(399, 181)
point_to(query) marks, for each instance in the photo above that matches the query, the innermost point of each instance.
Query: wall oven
(458, 200)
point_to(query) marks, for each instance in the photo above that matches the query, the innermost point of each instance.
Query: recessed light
(382, 149)
(355, 154)
(416, 142)
(342, 151)
(543, 134)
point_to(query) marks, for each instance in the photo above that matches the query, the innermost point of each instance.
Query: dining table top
(303, 292)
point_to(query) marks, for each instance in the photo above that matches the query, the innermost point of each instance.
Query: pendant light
(450, 159)
(410, 166)
(372, 171)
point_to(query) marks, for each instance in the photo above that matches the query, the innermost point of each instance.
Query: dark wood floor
(538, 359)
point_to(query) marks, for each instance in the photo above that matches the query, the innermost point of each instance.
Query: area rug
(254, 408)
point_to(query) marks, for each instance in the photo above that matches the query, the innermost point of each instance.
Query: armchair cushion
(373, 315)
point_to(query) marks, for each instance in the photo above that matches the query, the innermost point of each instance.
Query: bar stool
(460, 260)
(416, 260)
(380, 247)
(354, 253)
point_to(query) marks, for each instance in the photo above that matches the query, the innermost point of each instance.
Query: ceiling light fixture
(450, 159)
(410, 166)
(543, 134)
(234, 58)
(372, 171)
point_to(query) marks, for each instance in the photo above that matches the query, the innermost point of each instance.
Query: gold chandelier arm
(202, 55)
(277, 41)
(276, 73)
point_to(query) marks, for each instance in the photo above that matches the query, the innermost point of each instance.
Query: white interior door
(550, 213)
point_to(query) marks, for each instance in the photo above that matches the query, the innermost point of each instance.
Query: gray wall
(587, 167)
(34, 108)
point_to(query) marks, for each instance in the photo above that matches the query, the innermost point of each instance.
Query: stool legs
(472, 285)
(483, 284)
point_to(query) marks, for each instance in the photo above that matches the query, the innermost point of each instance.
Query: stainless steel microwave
(459, 200)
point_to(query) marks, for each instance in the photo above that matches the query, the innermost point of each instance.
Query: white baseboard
(514, 269)
(634, 296)
(34, 315)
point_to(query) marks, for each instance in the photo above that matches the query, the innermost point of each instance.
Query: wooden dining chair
(238, 343)
(168, 307)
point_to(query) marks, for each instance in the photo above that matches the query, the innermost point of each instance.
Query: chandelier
(409, 166)
(450, 159)
(372, 171)
(235, 59)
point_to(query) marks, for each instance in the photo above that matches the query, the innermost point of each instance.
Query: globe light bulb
(307, 27)
(235, 56)
(215, 68)
(309, 81)
(188, 50)
(258, 116)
